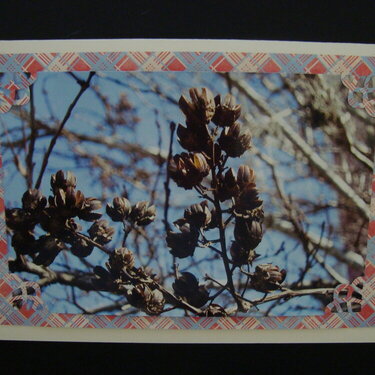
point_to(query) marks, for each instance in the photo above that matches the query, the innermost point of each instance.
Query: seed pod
(199, 298)
(156, 303)
(119, 210)
(214, 310)
(142, 213)
(139, 296)
(267, 278)
(89, 205)
(185, 285)
(59, 181)
(19, 219)
(51, 222)
(248, 204)
(241, 255)
(248, 233)
(188, 170)
(101, 232)
(119, 259)
(104, 280)
(227, 186)
(33, 200)
(245, 176)
(68, 202)
(201, 108)
(233, 141)
(48, 248)
(81, 247)
(183, 244)
(23, 242)
(227, 112)
(192, 138)
(198, 215)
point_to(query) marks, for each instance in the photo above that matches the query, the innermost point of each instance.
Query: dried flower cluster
(211, 136)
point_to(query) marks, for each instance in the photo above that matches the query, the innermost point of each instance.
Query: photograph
(186, 194)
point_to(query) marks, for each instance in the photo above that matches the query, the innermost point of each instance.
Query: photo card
(187, 189)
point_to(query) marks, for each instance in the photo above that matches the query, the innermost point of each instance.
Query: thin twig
(84, 86)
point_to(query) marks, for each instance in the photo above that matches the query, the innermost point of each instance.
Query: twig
(84, 86)
(33, 137)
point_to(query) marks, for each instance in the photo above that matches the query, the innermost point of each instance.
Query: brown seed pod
(201, 108)
(119, 210)
(156, 303)
(23, 242)
(248, 233)
(101, 232)
(183, 244)
(188, 170)
(227, 186)
(142, 213)
(214, 310)
(194, 139)
(81, 248)
(227, 111)
(241, 255)
(267, 277)
(33, 200)
(121, 258)
(60, 181)
(48, 247)
(198, 215)
(20, 219)
(234, 141)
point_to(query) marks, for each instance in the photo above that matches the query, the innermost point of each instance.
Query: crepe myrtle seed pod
(60, 181)
(201, 108)
(227, 111)
(85, 212)
(81, 248)
(48, 247)
(199, 298)
(241, 255)
(23, 242)
(214, 223)
(183, 244)
(194, 139)
(101, 232)
(156, 303)
(188, 170)
(104, 279)
(185, 285)
(33, 200)
(68, 203)
(198, 215)
(248, 205)
(20, 219)
(248, 233)
(142, 213)
(267, 277)
(145, 272)
(51, 222)
(227, 187)
(119, 259)
(245, 176)
(234, 141)
(214, 310)
(119, 210)
(139, 295)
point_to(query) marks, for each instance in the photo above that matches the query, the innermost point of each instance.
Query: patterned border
(357, 74)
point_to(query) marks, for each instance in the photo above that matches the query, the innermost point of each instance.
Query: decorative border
(358, 75)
